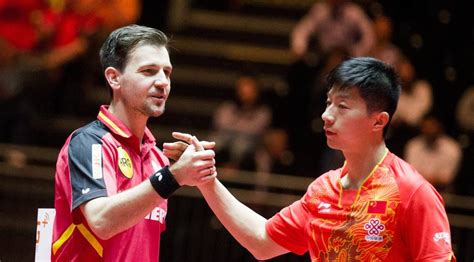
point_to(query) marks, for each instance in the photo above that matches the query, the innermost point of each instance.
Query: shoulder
(226, 107)
(415, 143)
(407, 178)
(422, 85)
(92, 132)
(84, 137)
(324, 184)
(354, 10)
(449, 141)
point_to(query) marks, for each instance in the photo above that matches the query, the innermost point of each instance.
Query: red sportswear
(396, 215)
(102, 159)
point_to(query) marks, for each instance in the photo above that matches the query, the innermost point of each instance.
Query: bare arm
(245, 225)
(108, 216)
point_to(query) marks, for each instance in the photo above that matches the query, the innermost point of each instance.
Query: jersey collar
(113, 123)
(381, 166)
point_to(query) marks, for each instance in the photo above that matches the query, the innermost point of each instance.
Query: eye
(149, 71)
(167, 72)
(328, 102)
(343, 106)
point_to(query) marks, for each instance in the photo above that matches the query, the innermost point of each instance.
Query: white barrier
(44, 234)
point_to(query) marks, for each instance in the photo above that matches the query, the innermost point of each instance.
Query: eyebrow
(340, 95)
(156, 65)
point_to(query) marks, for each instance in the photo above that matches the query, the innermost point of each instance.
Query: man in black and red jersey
(112, 182)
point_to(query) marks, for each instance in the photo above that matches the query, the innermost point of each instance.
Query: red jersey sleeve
(287, 228)
(425, 226)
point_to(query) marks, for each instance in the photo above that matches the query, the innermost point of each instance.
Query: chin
(156, 112)
(333, 146)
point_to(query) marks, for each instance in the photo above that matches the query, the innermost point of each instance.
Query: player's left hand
(174, 150)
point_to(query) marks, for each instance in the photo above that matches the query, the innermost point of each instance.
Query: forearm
(108, 216)
(245, 225)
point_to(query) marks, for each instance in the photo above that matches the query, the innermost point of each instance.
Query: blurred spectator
(434, 154)
(336, 24)
(16, 27)
(384, 49)
(465, 119)
(416, 96)
(112, 13)
(465, 110)
(415, 101)
(273, 155)
(329, 32)
(15, 111)
(239, 124)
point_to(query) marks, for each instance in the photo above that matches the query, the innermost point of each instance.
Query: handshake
(194, 160)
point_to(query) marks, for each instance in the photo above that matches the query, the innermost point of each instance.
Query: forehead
(349, 93)
(149, 55)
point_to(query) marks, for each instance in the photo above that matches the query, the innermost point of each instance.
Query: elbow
(260, 255)
(101, 229)
(261, 252)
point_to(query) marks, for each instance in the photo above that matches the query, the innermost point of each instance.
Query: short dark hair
(121, 42)
(377, 82)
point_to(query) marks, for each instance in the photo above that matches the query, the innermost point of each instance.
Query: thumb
(196, 144)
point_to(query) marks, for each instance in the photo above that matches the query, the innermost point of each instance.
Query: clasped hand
(195, 163)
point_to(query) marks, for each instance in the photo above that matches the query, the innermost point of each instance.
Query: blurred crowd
(45, 50)
(294, 143)
(49, 43)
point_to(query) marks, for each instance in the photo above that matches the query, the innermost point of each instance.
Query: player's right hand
(196, 165)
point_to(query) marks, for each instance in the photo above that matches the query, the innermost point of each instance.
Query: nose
(327, 117)
(162, 79)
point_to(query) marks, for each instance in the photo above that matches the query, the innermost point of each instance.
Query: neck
(134, 121)
(360, 163)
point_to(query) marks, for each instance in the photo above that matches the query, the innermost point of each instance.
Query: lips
(159, 97)
(329, 132)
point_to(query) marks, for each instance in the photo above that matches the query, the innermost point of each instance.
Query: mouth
(160, 98)
(329, 132)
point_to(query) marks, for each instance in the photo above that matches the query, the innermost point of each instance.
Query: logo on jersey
(125, 163)
(324, 207)
(374, 227)
(157, 214)
(97, 161)
(442, 235)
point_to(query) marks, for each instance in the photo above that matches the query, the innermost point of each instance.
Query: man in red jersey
(374, 208)
(112, 182)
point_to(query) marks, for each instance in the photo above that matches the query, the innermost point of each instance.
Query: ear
(112, 75)
(380, 121)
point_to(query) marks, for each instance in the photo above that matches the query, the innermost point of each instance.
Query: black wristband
(164, 183)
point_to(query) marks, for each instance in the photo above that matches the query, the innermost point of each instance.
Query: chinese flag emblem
(377, 207)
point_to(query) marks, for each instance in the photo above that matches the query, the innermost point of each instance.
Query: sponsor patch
(442, 236)
(374, 227)
(324, 207)
(125, 163)
(97, 161)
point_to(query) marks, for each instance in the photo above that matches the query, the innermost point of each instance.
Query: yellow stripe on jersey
(113, 125)
(63, 238)
(370, 174)
(85, 232)
(91, 239)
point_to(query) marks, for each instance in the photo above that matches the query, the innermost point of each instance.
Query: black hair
(377, 82)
